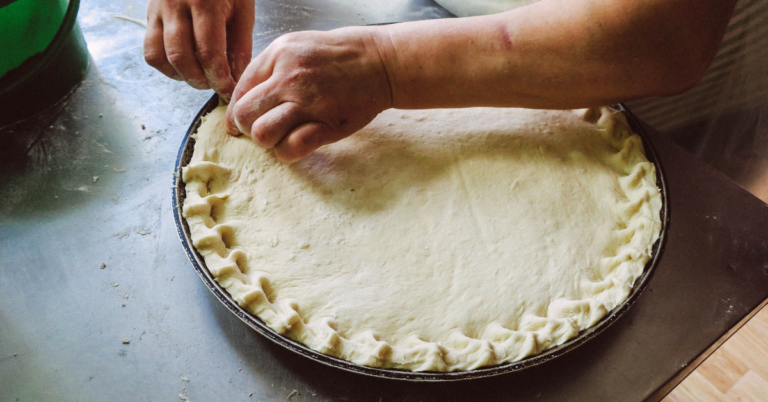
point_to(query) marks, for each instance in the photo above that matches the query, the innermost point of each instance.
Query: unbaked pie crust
(431, 240)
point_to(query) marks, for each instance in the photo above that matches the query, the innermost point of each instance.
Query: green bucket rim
(50, 52)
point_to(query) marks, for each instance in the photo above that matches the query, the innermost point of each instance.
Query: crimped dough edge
(564, 319)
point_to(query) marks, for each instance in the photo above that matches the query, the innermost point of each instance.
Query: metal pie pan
(179, 194)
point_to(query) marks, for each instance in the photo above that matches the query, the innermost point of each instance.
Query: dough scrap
(431, 240)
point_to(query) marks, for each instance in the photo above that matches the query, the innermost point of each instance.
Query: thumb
(229, 119)
(304, 140)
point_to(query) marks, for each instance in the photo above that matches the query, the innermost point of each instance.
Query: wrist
(378, 42)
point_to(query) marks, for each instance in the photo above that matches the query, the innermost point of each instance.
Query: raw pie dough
(434, 240)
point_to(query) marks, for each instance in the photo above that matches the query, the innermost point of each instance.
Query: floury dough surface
(433, 240)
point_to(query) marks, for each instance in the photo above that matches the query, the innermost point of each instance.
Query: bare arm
(309, 89)
(555, 54)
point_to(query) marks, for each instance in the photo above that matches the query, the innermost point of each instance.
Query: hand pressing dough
(432, 240)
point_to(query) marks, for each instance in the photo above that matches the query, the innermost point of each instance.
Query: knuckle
(289, 41)
(176, 57)
(240, 60)
(208, 56)
(260, 135)
(289, 78)
(173, 5)
(278, 43)
(303, 147)
(238, 93)
(297, 77)
(286, 39)
(153, 58)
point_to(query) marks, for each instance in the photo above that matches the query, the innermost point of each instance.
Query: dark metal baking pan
(179, 194)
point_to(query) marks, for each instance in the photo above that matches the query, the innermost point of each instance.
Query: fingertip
(224, 89)
(238, 117)
(217, 73)
(230, 122)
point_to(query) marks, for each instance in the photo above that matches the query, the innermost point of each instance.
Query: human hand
(309, 89)
(206, 43)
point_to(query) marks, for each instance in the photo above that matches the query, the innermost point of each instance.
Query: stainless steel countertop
(89, 182)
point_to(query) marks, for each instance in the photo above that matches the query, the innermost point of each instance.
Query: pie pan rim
(198, 263)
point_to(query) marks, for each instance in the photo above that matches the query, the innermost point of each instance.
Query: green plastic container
(43, 56)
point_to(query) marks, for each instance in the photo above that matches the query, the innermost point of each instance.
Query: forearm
(309, 89)
(554, 54)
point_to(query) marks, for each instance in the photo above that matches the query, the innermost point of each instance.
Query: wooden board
(737, 371)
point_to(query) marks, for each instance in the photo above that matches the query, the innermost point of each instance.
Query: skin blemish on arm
(504, 34)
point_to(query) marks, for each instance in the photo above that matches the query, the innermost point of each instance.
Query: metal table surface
(89, 182)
